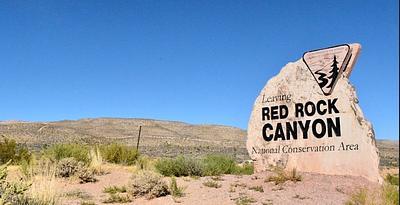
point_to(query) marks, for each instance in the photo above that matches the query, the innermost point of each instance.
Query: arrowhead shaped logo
(327, 65)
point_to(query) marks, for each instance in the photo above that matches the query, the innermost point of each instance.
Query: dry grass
(212, 184)
(77, 193)
(87, 203)
(44, 187)
(114, 189)
(117, 198)
(360, 197)
(244, 200)
(96, 161)
(388, 195)
(176, 191)
(281, 176)
(257, 188)
(217, 178)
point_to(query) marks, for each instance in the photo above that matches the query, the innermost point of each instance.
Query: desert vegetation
(388, 193)
(42, 171)
(11, 151)
(281, 176)
(210, 165)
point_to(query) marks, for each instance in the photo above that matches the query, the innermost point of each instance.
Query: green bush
(210, 165)
(219, 164)
(9, 150)
(119, 154)
(61, 151)
(245, 169)
(392, 179)
(112, 153)
(180, 166)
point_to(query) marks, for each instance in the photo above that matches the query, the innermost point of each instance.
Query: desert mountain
(158, 138)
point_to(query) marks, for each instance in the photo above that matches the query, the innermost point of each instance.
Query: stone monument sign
(307, 117)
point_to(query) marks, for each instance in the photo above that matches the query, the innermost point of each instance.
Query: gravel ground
(313, 189)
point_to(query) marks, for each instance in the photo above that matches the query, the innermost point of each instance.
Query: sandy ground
(313, 189)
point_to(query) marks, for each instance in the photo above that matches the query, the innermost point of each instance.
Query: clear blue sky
(193, 61)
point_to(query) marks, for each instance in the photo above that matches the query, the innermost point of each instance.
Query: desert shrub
(26, 168)
(219, 164)
(294, 176)
(67, 167)
(390, 194)
(211, 183)
(358, 198)
(175, 190)
(143, 162)
(87, 203)
(9, 150)
(244, 169)
(281, 176)
(244, 200)
(61, 151)
(119, 154)
(36, 166)
(114, 189)
(180, 166)
(78, 193)
(10, 192)
(117, 198)
(210, 165)
(86, 175)
(41, 189)
(147, 184)
(217, 178)
(392, 179)
(257, 188)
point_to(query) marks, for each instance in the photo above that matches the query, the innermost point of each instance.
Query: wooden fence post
(138, 140)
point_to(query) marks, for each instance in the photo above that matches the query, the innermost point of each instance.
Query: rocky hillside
(158, 138)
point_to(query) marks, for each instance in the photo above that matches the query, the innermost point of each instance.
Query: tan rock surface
(295, 79)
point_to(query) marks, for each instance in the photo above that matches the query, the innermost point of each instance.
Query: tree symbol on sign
(334, 72)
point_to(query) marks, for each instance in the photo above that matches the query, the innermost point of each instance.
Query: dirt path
(313, 189)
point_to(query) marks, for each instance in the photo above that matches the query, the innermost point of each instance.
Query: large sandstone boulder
(353, 152)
